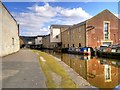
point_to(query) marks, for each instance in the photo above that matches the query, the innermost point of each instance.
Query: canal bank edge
(78, 80)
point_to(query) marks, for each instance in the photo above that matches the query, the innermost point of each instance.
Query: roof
(104, 11)
(34, 36)
(84, 22)
(79, 24)
(60, 26)
(28, 36)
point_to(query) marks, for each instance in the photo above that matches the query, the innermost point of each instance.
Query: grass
(51, 65)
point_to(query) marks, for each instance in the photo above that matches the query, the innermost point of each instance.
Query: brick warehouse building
(101, 29)
(74, 36)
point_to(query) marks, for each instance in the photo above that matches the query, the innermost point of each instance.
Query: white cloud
(75, 12)
(43, 11)
(117, 15)
(37, 18)
(73, 16)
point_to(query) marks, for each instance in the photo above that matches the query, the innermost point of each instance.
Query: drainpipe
(118, 31)
(70, 37)
(61, 37)
(85, 35)
(18, 30)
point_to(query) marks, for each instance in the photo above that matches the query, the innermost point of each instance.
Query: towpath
(22, 70)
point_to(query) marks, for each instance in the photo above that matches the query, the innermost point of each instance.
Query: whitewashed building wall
(9, 38)
(38, 41)
(55, 35)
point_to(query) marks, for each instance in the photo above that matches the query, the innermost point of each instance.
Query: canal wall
(9, 34)
(99, 72)
(79, 81)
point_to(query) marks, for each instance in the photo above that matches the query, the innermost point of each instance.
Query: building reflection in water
(102, 73)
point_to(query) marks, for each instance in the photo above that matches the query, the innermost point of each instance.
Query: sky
(35, 18)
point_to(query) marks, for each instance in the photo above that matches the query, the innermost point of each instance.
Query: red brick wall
(95, 35)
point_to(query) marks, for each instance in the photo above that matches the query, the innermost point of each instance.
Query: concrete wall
(95, 36)
(9, 33)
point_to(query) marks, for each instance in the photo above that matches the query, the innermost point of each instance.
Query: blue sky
(36, 17)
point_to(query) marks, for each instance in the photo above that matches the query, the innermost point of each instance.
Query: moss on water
(51, 65)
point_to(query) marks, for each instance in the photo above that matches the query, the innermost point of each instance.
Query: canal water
(99, 72)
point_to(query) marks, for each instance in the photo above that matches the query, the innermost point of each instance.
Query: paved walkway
(22, 70)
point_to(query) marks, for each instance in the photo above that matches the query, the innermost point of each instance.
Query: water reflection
(102, 73)
(99, 72)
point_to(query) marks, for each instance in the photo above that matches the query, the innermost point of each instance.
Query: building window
(73, 45)
(107, 73)
(57, 36)
(12, 41)
(68, 45)
(107, 43)
(106, 30)
(79, 44)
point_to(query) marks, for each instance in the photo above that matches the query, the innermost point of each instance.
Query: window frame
(106, 32)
